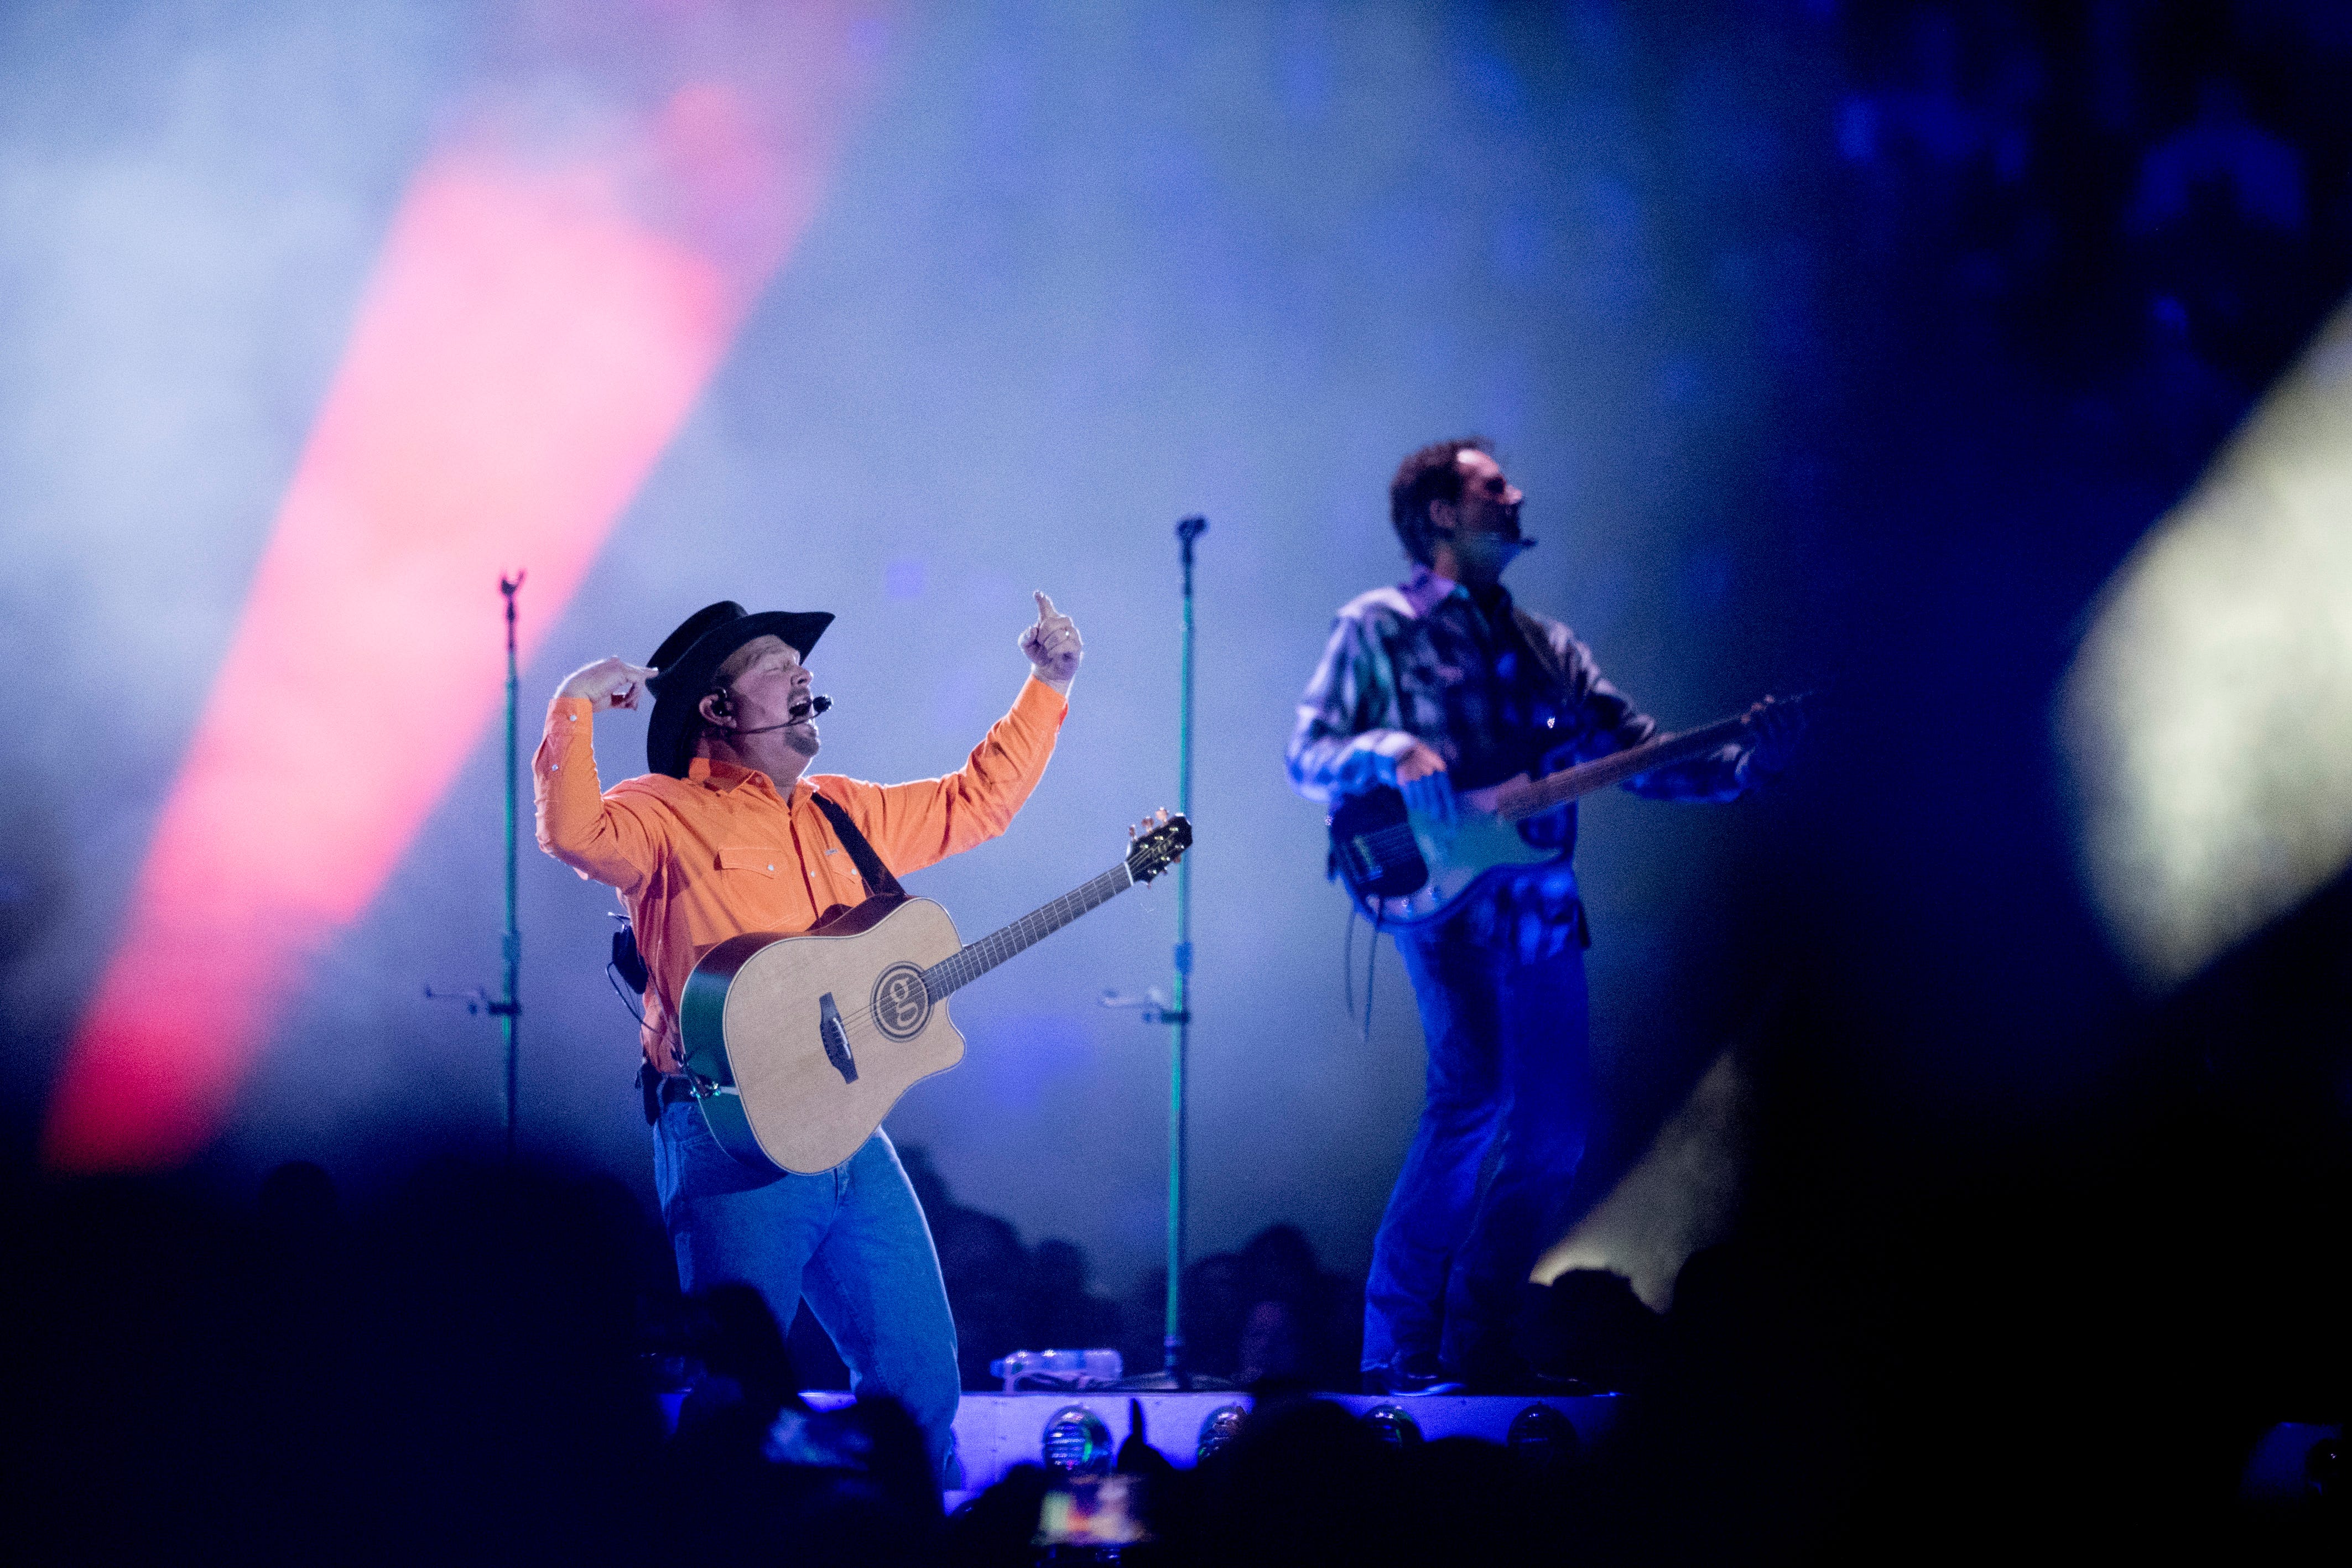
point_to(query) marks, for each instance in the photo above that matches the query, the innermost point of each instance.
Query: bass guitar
(797, 1047)
(1406, 867)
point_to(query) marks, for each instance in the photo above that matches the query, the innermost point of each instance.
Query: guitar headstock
(1158, 842)
(1778, 707)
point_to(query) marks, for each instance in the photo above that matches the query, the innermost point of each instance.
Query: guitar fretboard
(950, 974)
(1569, 783)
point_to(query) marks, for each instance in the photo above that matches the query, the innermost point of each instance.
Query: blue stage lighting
(1077, 1442)
(1221, 1426)
(1393, 1425)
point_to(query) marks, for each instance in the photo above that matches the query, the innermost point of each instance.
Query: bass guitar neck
(1541, 794)
(1406, 868)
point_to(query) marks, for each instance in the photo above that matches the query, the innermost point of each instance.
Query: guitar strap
(1539, 641)
(1538, 644)
(879, 882)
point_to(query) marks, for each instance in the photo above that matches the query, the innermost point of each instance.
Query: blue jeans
(1507, 1025)
(852, 1240)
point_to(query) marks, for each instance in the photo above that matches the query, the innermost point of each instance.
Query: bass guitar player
(1438, 686)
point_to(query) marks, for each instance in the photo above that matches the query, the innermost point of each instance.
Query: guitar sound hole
(901, 1005)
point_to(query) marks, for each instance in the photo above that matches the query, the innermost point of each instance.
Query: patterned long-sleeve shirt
(1493, 689)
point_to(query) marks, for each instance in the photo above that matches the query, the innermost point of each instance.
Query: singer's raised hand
(1054, 645)
(607, 683)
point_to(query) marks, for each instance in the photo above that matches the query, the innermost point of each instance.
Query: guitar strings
(1658, 751)
(1050, 917)
(999, 944)
(1398, 836)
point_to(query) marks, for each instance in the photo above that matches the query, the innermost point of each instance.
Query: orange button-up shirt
(718, 853)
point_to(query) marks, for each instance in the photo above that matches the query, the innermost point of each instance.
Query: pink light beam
(531, 340)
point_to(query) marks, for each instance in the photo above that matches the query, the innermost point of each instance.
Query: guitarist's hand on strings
(1420, 776)
(607, 683)
(1054, 645)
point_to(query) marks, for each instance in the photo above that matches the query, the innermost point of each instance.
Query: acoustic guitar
(1406, 867)
(797, 1047)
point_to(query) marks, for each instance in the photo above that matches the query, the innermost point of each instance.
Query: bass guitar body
(804, 1044)
(1407, 868)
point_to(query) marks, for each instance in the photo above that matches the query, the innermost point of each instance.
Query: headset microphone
(816, 706)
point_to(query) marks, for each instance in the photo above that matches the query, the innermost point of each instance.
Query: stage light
(2206, 723)
(2294, 1462)
(1393, 1425)
(1542, 1435)
(1219, 1428)
(1077, 1442)
(1681, 1195)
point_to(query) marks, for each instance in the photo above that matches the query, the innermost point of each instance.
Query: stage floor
(995, 1432)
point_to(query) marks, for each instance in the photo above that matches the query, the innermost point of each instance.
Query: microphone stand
(1178, 1015)
(506, 1006)
(1181, 1015)
(508, 1009)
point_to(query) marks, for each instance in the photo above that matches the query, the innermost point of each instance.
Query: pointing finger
(1044, 605)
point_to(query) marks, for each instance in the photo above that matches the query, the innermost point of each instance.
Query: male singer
(726, 835)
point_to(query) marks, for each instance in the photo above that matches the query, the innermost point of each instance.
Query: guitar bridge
(835, 1038)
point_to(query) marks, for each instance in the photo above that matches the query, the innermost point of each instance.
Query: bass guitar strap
(879, 882)
(1538, 644)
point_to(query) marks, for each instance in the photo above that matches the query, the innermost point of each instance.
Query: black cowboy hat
(689, 661)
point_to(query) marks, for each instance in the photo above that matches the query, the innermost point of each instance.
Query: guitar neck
(951, 975)
(1585, 778)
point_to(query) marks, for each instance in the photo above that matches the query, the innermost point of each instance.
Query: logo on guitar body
(901, 1003)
